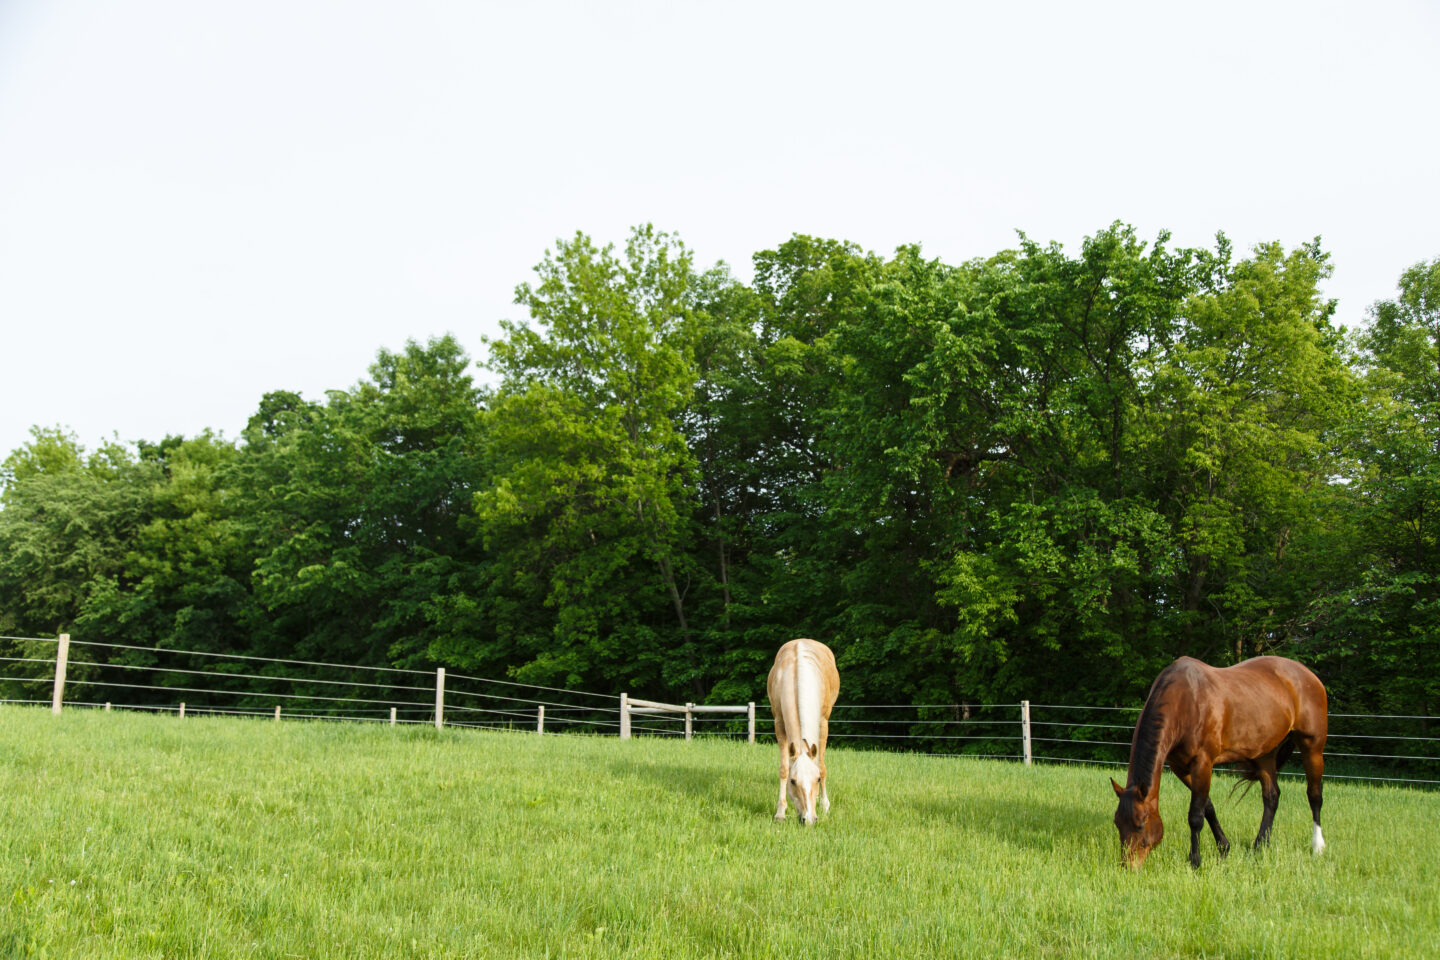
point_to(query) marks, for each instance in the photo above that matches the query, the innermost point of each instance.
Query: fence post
(182, 709)
(624, 716)
(540, 719)
(62, 657)
(107, 706)
(1025, 727)
(277, 713)
(392, 716)
(751, 718)
(439, 698)
(687, 720)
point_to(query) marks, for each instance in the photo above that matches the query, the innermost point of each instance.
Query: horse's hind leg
(1269, 796)
(1312, 756)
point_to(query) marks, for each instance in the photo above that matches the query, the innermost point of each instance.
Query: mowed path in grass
(129, 835)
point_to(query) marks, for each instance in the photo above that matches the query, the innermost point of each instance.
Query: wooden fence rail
(632, 705)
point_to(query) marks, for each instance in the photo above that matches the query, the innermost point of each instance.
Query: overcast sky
(201, 202)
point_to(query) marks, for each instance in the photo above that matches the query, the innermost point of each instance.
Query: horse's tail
(1282, 752)
(1249, 770)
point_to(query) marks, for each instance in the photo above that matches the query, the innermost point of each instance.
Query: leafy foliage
(1039, 474)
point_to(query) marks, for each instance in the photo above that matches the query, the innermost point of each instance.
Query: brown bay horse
(1252, 714)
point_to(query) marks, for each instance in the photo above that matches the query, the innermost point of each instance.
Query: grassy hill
(145, 836)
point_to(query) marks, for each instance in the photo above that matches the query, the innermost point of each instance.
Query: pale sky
(204, 201)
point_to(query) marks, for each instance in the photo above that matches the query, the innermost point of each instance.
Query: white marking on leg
(1317, 840)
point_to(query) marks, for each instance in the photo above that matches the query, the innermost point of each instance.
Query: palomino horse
(803, 686)
(1252, 714)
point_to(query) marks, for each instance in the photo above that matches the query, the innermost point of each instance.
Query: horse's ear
(1118, 789)
(814, 750)
(792, 749)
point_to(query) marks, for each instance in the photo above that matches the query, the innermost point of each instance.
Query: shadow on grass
(1023, 820)
(1030, 822)
(695, 783)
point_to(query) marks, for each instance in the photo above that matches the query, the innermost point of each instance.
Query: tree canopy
(1040, 474)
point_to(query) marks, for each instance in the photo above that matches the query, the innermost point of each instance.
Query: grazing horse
(803, 685)
(1252, 714)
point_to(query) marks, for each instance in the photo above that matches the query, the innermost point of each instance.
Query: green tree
(988, 412)
(591, 509)
(1378, 624)
(184, 581)
(68, 522)
(356, 508)
(69, 519)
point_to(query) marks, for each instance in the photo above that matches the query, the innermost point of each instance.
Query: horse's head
(1138, 820)
(803, 782)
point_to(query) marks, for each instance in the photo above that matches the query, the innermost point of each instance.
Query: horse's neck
(1157, 765)
(1156, 733)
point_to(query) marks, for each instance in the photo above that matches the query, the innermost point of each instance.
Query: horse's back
(806, 647)
(803, 651)
(1242, 711)
(804, 674)
(1311, 703)
(1274, 691)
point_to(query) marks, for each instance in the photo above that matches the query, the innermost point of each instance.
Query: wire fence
(1359, 746)
(99, 674)
(1389, 748)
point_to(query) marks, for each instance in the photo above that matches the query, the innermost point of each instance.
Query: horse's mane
(1147, 732)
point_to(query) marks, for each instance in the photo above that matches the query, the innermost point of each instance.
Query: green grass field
(149, 836)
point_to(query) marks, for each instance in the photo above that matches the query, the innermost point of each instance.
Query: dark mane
(1147, 732)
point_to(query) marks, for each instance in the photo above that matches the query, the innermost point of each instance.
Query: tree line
(1040, 474)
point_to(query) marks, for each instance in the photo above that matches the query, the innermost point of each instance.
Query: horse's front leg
(1222, 842)
(782, 740)
(1201, 809)
(824, 737)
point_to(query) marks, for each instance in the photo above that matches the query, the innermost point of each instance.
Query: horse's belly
(1253, 736)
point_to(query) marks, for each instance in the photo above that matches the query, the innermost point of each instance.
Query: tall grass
(142, 836)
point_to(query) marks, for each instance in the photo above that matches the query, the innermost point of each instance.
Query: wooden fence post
(182, 709)
(1025, 727)
(540, 719)
(277, 713)
(439, 698)
(751, 718)
(62, 657)
(624, 716)
(687, 720)
(392, 716)
(107, 706)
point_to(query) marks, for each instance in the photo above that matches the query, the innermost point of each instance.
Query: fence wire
(990, 730)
